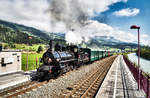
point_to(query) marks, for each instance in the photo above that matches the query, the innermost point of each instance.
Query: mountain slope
(12, 32)
(25, 29)
(8, 35)
(105, 41)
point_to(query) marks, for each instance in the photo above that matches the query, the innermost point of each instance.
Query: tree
(40, 48)
(11, 45)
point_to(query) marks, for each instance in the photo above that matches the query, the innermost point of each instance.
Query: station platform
(119, 82)
(12, 79)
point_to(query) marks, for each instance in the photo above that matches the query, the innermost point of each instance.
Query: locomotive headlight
(58, 59)
(49, 60)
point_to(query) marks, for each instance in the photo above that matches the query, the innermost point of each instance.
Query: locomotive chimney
(51, 44)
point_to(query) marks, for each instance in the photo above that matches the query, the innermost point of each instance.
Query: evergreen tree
(40, 48)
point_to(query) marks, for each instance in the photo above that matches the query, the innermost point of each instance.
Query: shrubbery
(145, 53)
(40, 49)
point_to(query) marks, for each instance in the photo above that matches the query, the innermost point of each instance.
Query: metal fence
(144, 79)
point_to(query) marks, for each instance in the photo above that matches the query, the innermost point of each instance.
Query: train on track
(59, 59)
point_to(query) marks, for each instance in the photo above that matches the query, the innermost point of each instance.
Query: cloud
(95, 28)
(27, 12)
(34, 13)
(127, 12)
(73, 13)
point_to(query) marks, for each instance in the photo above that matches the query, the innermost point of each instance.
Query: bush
(11, 45)
(40, 48)
(1, 45)
(6, 46)
(145, 53)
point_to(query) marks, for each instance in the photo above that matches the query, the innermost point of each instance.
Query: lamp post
(138, 27)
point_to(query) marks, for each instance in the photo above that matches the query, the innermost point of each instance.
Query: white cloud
(94, 28)
(127, 12)
(27, 12)
(33, 12)
(73, 13)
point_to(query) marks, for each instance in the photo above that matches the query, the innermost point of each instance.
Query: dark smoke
(68, 12)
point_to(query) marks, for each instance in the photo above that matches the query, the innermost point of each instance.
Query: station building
(10, 61)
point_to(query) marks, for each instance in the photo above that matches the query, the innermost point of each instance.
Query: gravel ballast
(56, 87)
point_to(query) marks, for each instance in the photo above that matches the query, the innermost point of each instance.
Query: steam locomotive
(59, 59)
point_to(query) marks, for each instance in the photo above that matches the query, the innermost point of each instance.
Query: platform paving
(119, 82)
(11, 79)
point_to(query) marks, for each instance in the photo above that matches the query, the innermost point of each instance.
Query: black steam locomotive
(59, 59)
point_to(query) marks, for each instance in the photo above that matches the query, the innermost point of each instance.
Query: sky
(102, 17)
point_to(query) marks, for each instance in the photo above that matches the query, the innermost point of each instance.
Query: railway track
(88, 87)
(85, 89)
(21, 89)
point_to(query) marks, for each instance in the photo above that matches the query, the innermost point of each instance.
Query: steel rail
(27, 89)
(85, 87)
(93, 87)
(21, 89)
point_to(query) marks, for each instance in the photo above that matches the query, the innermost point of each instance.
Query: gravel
(56, 87)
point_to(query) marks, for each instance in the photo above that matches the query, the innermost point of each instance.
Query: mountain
(29, 30)
(16, 33)
(106, 41)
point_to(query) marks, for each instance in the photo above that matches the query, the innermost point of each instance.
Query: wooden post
(36, 62)
(27, 62)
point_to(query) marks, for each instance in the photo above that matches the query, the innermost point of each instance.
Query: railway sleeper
(84, 87)
(74, 96)
(92, 91)
(89, 95)
(81, 91)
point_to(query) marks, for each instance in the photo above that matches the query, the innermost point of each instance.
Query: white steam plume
(66, 15)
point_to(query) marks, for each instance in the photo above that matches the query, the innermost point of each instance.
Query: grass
(34, 47)
(31, 60)
(25, 47)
